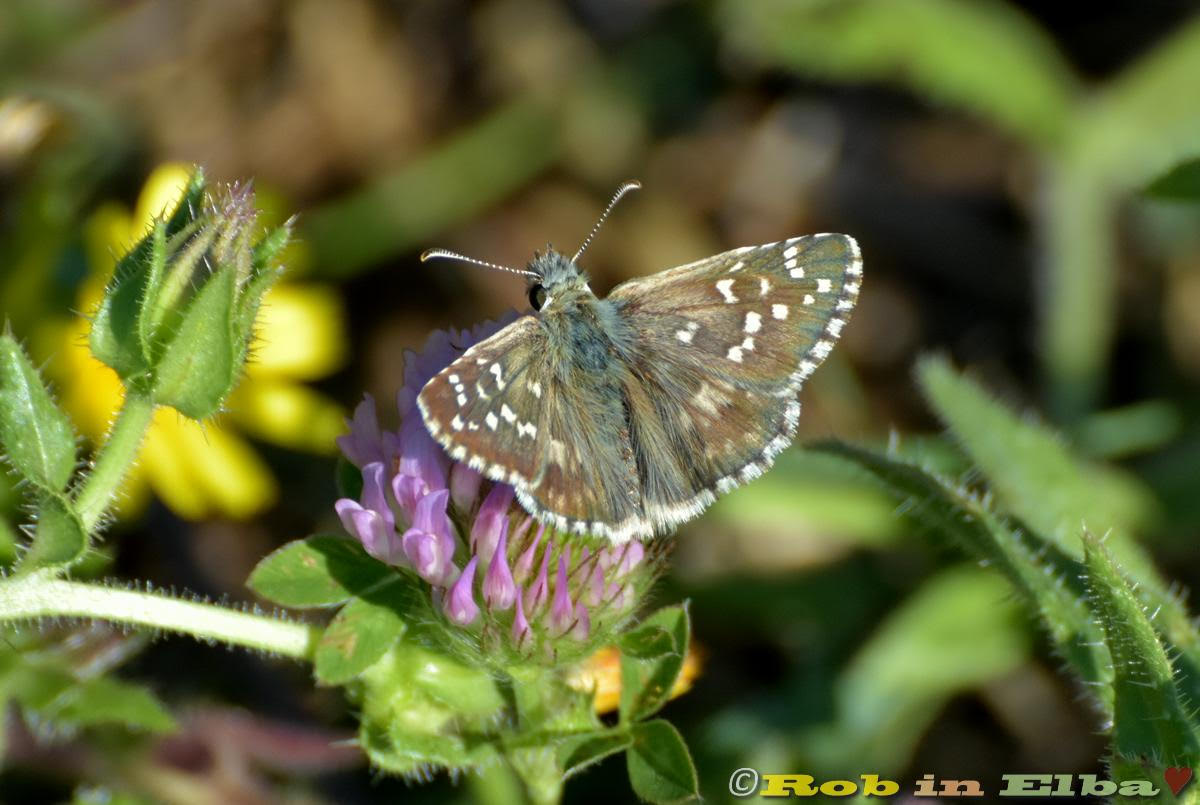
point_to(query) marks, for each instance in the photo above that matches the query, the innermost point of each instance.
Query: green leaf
(660, 768)
(984, 57)
(647, 643)
(105, 700)
(580, 752)
(198, 368)
(1180, 183)
(1046, 577)
(455, 181)
(1135, 128)
(646, 683)
(1030, 469)
(361, 633)
(58, 697)
(60, 537)
(1151, 723)
(322, 570)
(959, 630)
(1036, 477)
(35, 434)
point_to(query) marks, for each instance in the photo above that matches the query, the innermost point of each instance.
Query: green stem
(40, 595)
(115, 458)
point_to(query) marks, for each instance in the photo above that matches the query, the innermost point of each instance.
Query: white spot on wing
(738, 266)
(457, 422)
(790, 252)
(724, 287)
(535, 388)
(779, 311)
(797, 272)
(734, 354)
(492, 420)
(809, 299)
(507, 413)
(824, 285)
(462, 400)
(499, 373)
(753, 322)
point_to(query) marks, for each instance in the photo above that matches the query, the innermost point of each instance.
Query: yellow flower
(201, 470)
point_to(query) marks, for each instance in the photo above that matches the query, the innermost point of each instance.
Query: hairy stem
(115, 458)
(40, 595)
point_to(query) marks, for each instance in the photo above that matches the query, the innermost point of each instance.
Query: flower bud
(178, 314)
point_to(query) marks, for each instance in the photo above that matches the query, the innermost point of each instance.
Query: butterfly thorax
(588, 330)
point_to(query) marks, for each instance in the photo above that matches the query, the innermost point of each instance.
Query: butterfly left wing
(504, 411)
(719, 350)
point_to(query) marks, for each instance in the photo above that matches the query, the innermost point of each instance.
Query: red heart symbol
(1177, 777)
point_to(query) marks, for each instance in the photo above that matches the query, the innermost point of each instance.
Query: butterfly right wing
(719, 350)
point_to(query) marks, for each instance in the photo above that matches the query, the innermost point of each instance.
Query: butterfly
(625, 416)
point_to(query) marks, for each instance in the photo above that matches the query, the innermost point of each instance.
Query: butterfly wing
(505, 409)
(719, 349)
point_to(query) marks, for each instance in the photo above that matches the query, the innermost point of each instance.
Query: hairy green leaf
(59, 538)
(1150, 722)
(1036, 477)
(580, 752)
(1046, 577)
(35, 434)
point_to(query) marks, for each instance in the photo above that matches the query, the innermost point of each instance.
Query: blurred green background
(1022, 179)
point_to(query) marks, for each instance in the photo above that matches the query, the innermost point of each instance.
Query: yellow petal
(206, 470)
(300, 333)
(160, 196)
(106, 239)
(287, 414)
(167, 468)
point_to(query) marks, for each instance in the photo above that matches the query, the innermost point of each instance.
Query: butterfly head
(555, 280)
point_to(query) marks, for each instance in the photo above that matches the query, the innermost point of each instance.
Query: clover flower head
(513, 585)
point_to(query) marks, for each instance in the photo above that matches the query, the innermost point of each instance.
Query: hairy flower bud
(178, 314)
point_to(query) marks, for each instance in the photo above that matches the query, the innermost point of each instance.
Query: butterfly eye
(537, 296)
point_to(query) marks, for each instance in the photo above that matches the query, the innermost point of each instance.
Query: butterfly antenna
(622, 190)
(430, 254)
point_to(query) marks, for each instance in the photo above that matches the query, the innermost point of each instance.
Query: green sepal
(59, 538)
(422, 710)
(1150, 722)
(114, 335)
(198, 368)
(155, 268)
(122, 332)
(360, 634)
(646, 681)
(35, 434)
(320, 571)
(660, 766)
